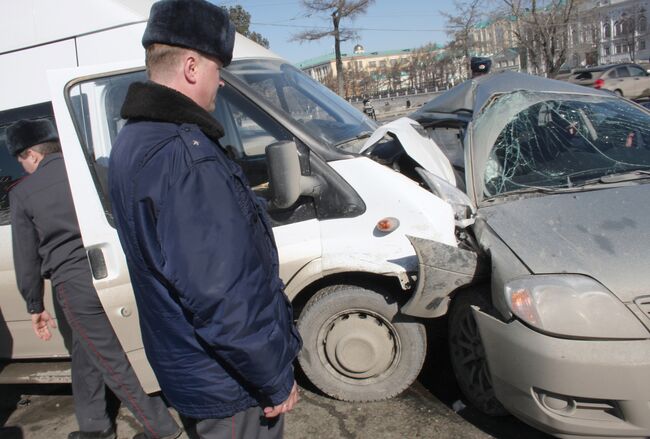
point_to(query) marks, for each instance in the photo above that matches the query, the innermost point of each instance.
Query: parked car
(558, 210)
(629, 80)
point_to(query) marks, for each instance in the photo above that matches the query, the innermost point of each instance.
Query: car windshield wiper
(618, 177)
(362, 135)
(529, 190)
(625, 176)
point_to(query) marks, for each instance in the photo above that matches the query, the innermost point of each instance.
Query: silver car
(558, 212)
(628, 80)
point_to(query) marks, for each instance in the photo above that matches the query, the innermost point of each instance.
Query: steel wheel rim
(333, 347)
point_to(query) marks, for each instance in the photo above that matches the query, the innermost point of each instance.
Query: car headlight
(572, 306)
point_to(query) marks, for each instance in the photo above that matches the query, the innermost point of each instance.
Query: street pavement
(46, 412)
(423, 411)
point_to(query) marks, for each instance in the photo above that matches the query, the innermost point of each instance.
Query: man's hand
(42, 322)
(286, 406)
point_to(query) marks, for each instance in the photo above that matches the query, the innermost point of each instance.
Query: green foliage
(242, 20)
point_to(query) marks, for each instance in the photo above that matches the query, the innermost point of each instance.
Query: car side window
(96, 105)
(622, 72)
(10, 170)
(247, 132)
(636, 71)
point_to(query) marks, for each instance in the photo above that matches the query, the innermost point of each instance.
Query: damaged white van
(342, 219)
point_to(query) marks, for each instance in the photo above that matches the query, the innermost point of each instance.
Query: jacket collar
(152, 101)
(49, 158)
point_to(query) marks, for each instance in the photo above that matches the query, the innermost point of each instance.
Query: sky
(388, 25)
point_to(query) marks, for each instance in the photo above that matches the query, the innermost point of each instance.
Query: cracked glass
(550, 140)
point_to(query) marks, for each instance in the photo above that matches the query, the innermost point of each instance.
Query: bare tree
(338, 10)
(242, 20)
(542, 30)
(460, 24)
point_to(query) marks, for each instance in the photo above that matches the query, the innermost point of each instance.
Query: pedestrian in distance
(217, 327)
(47, 244)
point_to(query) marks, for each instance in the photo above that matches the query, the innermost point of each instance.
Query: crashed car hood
(602, 234)
(420, 148)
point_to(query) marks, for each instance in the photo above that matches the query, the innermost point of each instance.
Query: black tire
(467, 354)
(357, 346)
(618, 92)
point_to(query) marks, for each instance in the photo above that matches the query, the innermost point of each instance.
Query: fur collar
(152, 101)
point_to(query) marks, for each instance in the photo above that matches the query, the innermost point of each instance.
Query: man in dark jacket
(47, 244)
(217, 327)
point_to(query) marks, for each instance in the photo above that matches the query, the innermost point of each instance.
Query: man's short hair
(44, 148)
(162, 58)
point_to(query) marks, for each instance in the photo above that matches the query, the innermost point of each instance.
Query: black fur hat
(194, 24)
(27, 133)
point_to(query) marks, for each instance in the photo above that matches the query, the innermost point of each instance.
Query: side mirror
(285, 180)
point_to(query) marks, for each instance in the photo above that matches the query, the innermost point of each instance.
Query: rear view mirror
(285, 180)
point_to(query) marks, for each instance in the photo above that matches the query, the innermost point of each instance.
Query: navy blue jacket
(217, 327)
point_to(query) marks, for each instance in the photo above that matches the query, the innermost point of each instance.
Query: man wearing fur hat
(47, 244)
(216, 325)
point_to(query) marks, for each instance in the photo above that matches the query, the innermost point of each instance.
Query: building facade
(373, 73)
(624, 31)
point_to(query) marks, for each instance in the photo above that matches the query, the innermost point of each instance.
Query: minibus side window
(248, 130)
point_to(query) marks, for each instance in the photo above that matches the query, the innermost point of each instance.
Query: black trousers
(98, 360)
(247, 424)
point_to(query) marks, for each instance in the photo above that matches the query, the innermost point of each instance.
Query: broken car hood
(602, 234)
(418, 146)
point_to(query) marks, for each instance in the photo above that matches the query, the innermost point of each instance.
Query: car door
(624, 83)
(640, 81)
(87, 104)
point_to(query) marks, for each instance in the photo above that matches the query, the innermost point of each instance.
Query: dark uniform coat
(45, 233)
(47, 243)
(216, 324)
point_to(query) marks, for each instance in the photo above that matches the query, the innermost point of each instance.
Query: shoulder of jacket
(198, 146)
(14, 187)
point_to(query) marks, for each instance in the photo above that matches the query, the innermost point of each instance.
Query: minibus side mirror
(285, 180)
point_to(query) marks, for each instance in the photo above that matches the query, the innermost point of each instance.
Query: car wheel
(618, 92)
(467, 353)
(357, 346)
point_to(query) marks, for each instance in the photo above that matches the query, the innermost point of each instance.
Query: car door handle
(97, 263)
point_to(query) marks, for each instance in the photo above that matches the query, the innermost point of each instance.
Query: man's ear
(190, 68)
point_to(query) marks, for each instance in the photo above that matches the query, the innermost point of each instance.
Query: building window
(642, 23)
(372, 64)
(607, 30)
(641, 44)
(607, 51)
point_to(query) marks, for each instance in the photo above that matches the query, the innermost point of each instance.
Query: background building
(600, 32)
(374, 73)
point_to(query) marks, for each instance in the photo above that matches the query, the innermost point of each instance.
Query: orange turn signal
(522, 305)
(388, 224)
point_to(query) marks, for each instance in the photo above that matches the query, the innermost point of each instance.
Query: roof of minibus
(39, 22)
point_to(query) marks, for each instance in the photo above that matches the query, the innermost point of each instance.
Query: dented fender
(441, 270)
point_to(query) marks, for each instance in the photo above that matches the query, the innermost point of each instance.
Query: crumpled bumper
(441, 270)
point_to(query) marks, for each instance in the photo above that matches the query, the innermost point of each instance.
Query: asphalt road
(422, 411)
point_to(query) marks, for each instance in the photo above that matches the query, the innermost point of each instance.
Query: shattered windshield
(550, 140)
(320, 112)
